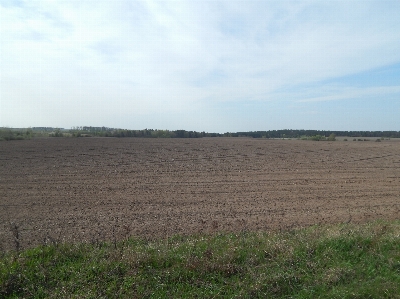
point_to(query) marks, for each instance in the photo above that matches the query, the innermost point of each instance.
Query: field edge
(336, 260)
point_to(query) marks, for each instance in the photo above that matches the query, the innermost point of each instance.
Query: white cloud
(349, 93)
(179, 56)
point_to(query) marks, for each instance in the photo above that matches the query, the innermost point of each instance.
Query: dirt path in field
(94, 189)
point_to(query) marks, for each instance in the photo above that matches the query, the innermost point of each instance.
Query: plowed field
(95, 189)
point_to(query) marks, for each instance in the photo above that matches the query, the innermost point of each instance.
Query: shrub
(56, 133)
(332, 137)
(11, 134)
(317, 138)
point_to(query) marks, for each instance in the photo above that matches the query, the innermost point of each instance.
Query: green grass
(338, 261)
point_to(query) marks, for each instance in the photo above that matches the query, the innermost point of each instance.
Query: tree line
(289, 133)
(286, 133)
(88, 131)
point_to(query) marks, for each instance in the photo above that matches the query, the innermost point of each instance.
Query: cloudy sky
(215, 66)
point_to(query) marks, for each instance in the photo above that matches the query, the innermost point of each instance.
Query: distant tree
(29, 133)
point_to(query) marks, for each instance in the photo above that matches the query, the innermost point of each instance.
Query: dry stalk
(15, 231)
(114, 237)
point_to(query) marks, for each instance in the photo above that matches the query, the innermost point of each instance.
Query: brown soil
(95, 189)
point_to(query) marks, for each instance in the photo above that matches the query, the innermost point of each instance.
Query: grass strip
(335, 261)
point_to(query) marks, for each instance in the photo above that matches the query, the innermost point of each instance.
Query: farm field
(95, 189)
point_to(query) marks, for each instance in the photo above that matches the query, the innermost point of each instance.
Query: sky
(214, 66)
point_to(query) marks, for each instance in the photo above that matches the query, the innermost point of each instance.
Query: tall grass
(337, 261)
